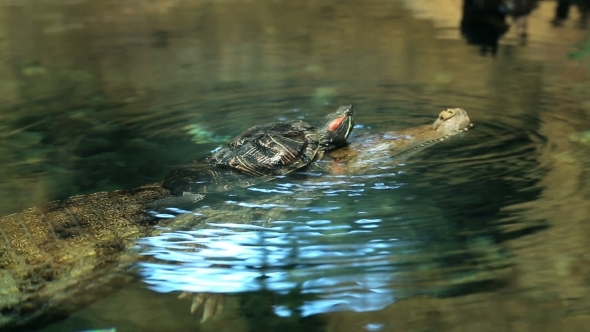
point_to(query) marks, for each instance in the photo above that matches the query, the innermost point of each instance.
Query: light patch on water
(238, 258)
(381, 186)
(374, 327)
(345, 266)
(353, 302)
(263, 206)
(367, 221)
(268, 191)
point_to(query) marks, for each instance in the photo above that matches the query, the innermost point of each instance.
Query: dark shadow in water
(257, 308)
(483, 26)
(484, 22)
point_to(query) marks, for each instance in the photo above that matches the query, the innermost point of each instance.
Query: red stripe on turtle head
(336, 123)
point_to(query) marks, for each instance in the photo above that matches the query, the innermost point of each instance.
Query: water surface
(482, 231)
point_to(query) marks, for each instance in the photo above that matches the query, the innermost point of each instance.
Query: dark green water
(481, 232)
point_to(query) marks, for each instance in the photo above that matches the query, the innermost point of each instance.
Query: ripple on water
(430, 224)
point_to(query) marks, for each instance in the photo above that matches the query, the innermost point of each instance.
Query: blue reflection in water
(313, 257)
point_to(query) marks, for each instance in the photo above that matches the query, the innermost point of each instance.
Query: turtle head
(336, 127)
(451, 120)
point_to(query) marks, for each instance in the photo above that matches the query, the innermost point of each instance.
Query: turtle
(262, 153)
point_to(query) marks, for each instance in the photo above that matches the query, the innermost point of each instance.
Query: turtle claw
(213, 303)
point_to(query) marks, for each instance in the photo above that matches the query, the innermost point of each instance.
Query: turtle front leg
(213, 303)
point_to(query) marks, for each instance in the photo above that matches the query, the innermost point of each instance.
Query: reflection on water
(486, 229)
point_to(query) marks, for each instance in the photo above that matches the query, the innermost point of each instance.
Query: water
(485, 231)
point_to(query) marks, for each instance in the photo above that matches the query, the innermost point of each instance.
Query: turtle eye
(348, 110)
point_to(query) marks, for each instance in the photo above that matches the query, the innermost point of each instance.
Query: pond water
(485, 231)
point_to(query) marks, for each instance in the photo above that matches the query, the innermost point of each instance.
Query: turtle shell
(272, 149)
(256, 155)
(262, 153)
